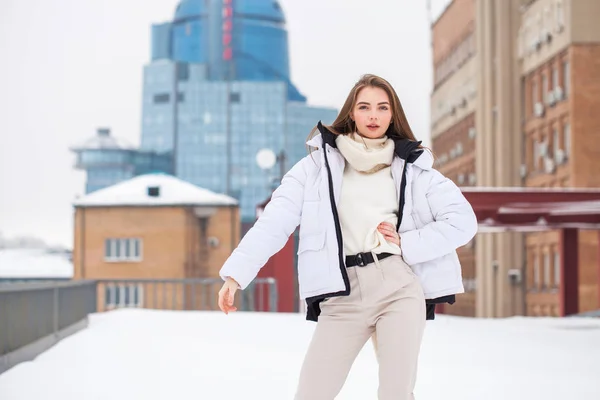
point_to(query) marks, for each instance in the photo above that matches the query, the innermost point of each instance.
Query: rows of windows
(548, 147)
(539, 28)
(164, 98)
(545, 271)
(123, 249)
(108, 174)
(257, 120)
(463, 50)
(103, 157)
(548, 86)
(123, 295)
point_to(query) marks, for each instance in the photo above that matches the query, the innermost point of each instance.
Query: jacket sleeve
(454, 223)
(271, 231)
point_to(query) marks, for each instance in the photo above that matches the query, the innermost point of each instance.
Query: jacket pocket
(313, 262)
(309, 222)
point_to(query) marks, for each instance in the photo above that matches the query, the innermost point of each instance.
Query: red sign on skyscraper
(227, 29)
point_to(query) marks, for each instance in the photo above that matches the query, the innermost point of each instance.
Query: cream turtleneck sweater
(368, 194)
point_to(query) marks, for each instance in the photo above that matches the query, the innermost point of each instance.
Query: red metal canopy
(539, 209)
(534, 209)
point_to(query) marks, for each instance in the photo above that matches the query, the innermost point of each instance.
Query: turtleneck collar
(364, 154)
(369, 143)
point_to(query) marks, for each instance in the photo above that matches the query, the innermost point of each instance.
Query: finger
(226, 302)
(393, 239)
(386, 232)
(222, 301)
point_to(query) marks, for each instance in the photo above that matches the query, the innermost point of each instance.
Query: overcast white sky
(69, 66)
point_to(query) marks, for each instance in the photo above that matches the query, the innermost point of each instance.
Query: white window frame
(556, 269)
(111, 288)
(559, 16)
(567, 138)
(566, 71)
(547, 282)
(536, 272)
(123, 243)
(556, 145)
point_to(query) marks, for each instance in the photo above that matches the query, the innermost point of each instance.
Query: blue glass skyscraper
(218, 90)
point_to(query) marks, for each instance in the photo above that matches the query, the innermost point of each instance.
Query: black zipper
(402, 196)
(338, 227)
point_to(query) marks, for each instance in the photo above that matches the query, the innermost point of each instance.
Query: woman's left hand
(389, 232)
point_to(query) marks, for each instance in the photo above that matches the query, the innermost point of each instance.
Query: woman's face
(372, 112)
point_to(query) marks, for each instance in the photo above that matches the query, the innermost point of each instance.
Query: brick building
(453, 105)
(153, 226)
(516, 83)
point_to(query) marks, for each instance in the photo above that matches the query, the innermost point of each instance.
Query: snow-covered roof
(103, 140)
(34, 263)
(171, 192)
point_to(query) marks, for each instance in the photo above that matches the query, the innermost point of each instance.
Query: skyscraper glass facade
(108, 161)
(218, 90)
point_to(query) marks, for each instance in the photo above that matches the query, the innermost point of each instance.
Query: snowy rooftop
(208, 355)
(103, 140)
(34, 263)
(137, 192)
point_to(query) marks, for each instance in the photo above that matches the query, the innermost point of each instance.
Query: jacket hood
(406, 149)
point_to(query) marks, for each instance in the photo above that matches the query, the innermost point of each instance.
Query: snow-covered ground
(152, 355)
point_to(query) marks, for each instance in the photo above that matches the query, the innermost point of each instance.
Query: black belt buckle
(359, 260)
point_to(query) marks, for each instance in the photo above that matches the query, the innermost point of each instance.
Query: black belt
(362, 259)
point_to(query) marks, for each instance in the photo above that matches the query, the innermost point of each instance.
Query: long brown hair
(343, 124)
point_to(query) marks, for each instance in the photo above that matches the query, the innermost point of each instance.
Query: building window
(544, 86)
(118, 295)
(560, 16)
(234, 97)
(555, 140)
(183, 71)
(129, 249)
(536, 272)
(567, 138)
(566, 78)
(555, 82)
(534, 95)
(547, 282)
(161, 98)
(556, 269)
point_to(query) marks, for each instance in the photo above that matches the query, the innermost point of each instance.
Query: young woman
(379, 229)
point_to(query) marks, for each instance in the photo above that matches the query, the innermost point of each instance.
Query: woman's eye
(362, 107)
(384, 108)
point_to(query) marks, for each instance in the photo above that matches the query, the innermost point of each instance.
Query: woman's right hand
(227, 295)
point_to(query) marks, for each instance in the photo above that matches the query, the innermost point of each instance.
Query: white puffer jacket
(436, 220)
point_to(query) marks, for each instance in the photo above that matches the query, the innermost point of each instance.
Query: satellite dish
(266, 158)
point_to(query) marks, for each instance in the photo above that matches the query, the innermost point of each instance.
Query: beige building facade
(156, 228)
(516, 84)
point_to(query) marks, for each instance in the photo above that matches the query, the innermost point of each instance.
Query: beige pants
(386, 300)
